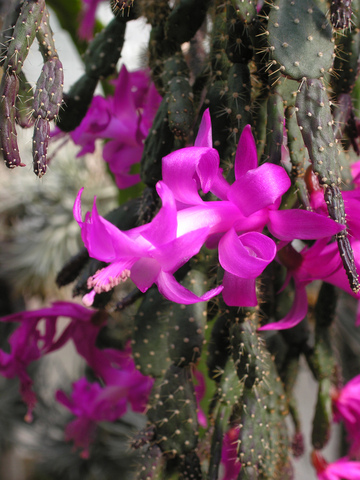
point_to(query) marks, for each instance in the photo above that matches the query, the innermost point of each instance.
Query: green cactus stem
(316, 125)
(27, 24)
(8, 136)
(300, 22)
(322, 363)
(150, 342)
(185, 19)
(174, 413)
(100, 59)
(24, 101)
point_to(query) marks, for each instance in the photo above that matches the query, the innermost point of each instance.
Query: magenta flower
(151, 253)
(229, 454)
(30, 341)
(248, 205)
(342, 469)
(321, 261)
(346, 407)
(125, 120)
(147, 254)
(92, 403)
(88, 19)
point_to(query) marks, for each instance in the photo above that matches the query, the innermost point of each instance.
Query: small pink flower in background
(200, 389)
(92, 403)
(229, 454)
(87, 22)
(29, 342)
(346, 408)
(124, 119)
(122, 386)
(342, 469)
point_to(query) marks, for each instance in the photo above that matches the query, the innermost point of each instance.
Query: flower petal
(239, 292)
(163, 227)
(103, 240)
(246, 153)
(204, 136)
(173, 291)
(177, 252)
(188, 169)
(296, 314)
(259, 188)
(246, 255)
(301, 224)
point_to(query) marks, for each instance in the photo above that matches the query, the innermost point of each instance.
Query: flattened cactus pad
(300, 22)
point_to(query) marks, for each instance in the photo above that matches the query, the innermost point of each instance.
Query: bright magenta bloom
(29, 341)
(248, 205)
(124, 119)
(152, 253)
(92, 403)
(147, 254)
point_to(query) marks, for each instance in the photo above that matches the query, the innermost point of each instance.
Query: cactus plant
(241, 205)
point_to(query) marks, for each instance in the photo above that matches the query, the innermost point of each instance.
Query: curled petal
(259, 188)
(173, 291)
(246, 255)
(188, 169)
(297, 312)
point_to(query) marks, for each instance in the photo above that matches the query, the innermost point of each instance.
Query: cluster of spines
(340, 13)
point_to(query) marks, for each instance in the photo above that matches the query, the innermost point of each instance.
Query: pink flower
(92, 403)
(229, 454)
(31, 341)
(342, 469)
(152, 253)
(125, 120)
(88, 19)
(248, 205)
(147, 254)
(346, 407)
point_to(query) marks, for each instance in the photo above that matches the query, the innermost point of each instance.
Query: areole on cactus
(236, 137)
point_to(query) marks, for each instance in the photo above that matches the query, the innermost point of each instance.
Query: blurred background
(37, 236)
